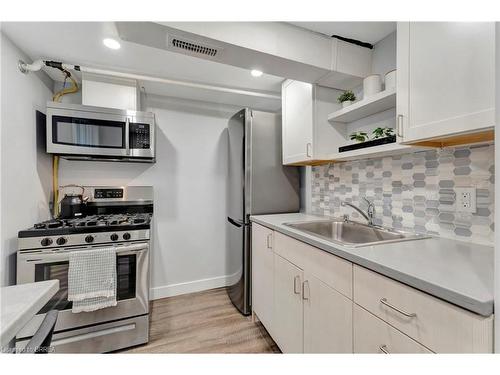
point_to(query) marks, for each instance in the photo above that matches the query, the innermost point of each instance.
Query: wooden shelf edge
(310, 163)
(486, 136)
(458, 140)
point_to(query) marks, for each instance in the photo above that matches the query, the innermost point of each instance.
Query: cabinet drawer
(440, 326)
(372, 335)
(332, 270)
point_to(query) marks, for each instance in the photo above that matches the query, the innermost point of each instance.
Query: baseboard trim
(192, 286)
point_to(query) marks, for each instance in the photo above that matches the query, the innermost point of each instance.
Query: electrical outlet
(465, 199)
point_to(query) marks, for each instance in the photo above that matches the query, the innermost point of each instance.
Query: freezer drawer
(100, 338)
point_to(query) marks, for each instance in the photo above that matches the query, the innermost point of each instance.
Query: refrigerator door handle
(237, 223)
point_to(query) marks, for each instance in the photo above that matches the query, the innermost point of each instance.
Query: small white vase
(347, 103)
(372, 85)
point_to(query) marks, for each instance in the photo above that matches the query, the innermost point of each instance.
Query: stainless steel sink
(353, 234)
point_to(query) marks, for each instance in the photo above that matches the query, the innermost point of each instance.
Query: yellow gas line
(55, 159)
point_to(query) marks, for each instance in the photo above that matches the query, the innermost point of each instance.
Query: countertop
(19, 303)
(454, 271)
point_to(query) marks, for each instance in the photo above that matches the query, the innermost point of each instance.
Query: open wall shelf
(366, 107)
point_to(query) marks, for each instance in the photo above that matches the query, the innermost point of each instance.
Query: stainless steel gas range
(118, 217)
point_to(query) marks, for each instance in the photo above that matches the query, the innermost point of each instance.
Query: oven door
(132, 262)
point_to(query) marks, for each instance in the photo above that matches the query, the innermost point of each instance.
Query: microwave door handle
(127, 136)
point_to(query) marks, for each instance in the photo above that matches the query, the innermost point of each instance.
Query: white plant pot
(347, 103)
(372, 85)
(390, 80)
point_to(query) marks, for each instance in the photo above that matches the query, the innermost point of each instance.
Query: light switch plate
(465, 199)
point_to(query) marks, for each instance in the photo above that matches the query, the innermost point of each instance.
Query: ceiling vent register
(194, 48)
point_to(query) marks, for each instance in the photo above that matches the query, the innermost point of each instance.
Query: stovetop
(89, 224)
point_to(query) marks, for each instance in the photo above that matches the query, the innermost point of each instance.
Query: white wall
(189, 179)
(25, 168)
(384, 55)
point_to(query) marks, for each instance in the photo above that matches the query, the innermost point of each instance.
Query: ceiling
(371, 32)
(81, 43)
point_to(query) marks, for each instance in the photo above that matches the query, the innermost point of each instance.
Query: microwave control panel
(139, 136)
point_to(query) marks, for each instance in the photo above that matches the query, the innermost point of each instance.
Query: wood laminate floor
(204, 322)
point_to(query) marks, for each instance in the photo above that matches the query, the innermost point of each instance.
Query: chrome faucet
(370, 212)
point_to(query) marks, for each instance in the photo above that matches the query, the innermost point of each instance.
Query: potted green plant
(382, 132)
(346, 98)
(359, 136)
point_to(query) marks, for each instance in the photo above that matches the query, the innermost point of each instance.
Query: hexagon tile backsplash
(414, 191)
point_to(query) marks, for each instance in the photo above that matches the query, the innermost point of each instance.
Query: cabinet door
(297, 116)
(445, 78)
(327, 318)
(288, 314)
(263, 274)
(373, 335)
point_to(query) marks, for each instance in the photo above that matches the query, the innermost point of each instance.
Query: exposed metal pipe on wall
(38, 64)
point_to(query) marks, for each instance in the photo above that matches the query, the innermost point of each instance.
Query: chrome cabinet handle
(269, 241)
(296, 282)
(383, 349)
(304, 290)
(308, 150)
(400, 126)
(402, 312)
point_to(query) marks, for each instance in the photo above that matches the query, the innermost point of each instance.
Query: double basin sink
(353, 234)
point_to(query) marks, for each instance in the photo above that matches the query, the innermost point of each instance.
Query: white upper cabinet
(445, 79)
(297, 107)
(307, 135)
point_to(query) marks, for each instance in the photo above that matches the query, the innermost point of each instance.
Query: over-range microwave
(98, 133)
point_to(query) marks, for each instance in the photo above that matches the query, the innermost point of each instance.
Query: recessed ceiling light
(256, 73)
(111, 43)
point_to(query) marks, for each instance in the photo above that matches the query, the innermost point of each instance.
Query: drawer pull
(269, 241)
(296, 282)
(402, 312)
(383, 349)
(305, 296)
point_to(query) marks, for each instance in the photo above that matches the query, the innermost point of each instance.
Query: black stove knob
(89, 239)
(61, 241)
(126, 236)
(114, 237)
(46, 241)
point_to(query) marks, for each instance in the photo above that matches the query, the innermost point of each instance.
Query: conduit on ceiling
(39, 64)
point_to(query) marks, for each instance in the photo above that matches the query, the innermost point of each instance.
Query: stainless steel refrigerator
(258, 183)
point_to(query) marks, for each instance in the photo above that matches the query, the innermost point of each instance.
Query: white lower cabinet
(440, 326)
(287, 326)
(373, 335)
(314, 302)
(263, 274)
(327, 318)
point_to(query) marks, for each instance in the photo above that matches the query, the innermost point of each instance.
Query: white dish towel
(92, 279)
